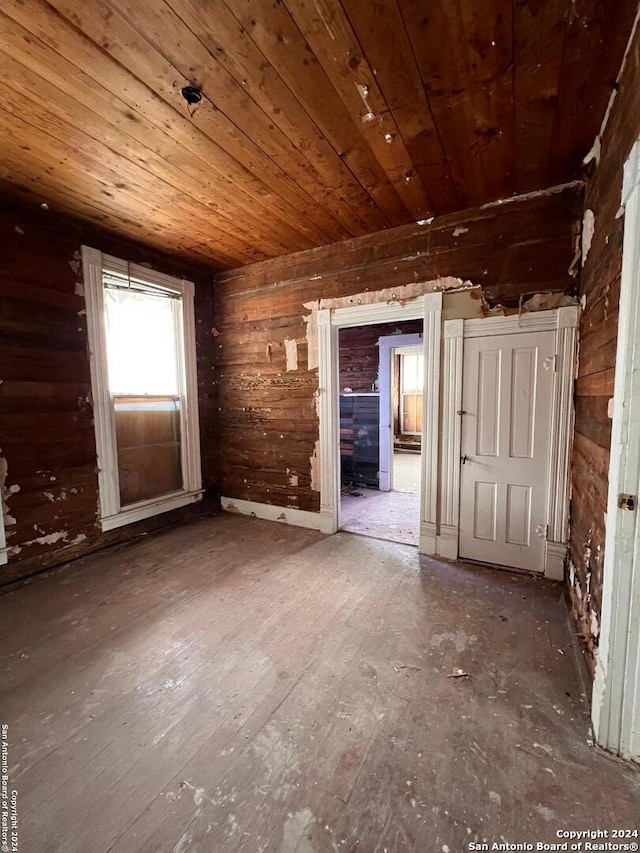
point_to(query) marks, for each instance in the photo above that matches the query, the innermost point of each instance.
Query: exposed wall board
(45, 395)
(268, 415)
(600, 291)
(359, 352)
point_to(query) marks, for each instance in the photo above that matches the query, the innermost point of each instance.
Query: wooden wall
(268, 419)
(47, 443)
(358, 350)
(600, 292)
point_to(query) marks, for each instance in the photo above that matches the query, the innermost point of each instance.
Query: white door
(506, 403)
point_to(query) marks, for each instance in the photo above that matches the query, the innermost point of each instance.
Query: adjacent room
(319, 426)
(380, 371)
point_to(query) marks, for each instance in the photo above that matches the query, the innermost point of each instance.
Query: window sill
(147, 509)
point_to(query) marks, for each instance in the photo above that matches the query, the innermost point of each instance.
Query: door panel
(507, 398)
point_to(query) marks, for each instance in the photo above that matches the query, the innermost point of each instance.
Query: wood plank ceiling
(320, 119)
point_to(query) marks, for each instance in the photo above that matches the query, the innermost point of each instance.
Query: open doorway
(380, 384)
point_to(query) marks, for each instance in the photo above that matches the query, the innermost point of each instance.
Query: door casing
(562, 321)
(615, 708)
(442, 391)
(387, 346)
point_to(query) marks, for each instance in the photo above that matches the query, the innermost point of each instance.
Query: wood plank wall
(359, 356)
(46, 419)
(268, 419)
(600, 292)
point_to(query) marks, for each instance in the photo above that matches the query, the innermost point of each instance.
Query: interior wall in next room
(600, 293)
(267, 348)
(359, 356)
(48, 463)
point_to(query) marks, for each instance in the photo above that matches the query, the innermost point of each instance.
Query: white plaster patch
(49, 539)
(535, 194)
(594, 152)
(291, 350)
(315, 467)
(460, 230)
(588, 228)
(311, 321)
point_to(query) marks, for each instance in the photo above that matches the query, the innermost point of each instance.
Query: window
(411, 373)
(143, 377)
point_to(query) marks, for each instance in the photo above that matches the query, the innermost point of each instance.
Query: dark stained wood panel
(359, 355)
(47, 439)
(600, 290)
(320, 120)
(268, 414)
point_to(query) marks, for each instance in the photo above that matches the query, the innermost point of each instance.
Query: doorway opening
(380, 372)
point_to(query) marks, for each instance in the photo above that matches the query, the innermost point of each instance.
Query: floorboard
(237, 685)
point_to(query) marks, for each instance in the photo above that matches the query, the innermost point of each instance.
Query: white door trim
(427, 307)
(386, 346)
(616, 690)
(564, 322)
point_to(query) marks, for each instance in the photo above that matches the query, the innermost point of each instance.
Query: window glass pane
(411, 373)
(141, 343)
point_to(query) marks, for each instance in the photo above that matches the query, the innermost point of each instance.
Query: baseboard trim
(447, 542)
(554, 560)
(428, 538)
(269, 512)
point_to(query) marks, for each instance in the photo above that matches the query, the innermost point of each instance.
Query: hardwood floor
(237, 685)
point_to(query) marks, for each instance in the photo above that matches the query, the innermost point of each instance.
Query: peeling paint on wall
(315, 467)
(291, 351)
(311, 322)
(402, 294)
(588, 228)
(535, 194)
(5, 494)
(292, 478)
(460, 230)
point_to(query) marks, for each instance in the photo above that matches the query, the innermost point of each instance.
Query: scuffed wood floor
(236, 685)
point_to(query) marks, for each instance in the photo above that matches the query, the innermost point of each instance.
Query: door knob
(463, 459)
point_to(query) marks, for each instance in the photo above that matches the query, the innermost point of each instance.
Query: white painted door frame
(387, 345)
(563, 321)
(428, 308)
(616, 689)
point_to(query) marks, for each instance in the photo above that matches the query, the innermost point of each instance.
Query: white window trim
(417, 392)
(112, 515)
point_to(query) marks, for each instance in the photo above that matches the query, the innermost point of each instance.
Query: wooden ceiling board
(186, 147)
(383, 38)
(320, 119)
(215, 25)
(539, 31)
(152, 73)
(277, 35)
(332, 39)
